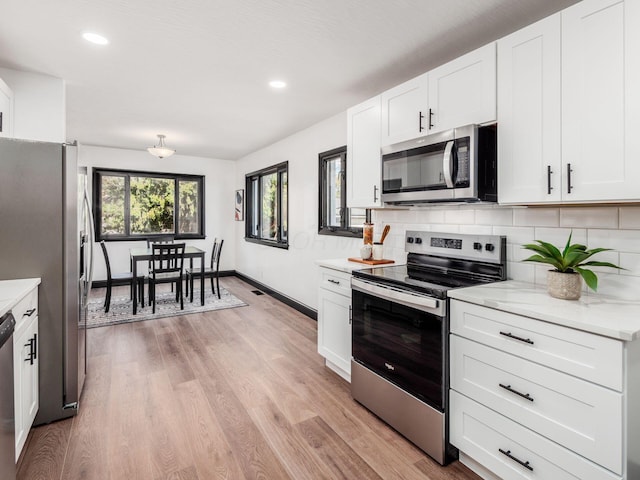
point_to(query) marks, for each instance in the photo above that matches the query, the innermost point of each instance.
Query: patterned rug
(120, 310)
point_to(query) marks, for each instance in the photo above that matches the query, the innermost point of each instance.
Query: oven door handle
(447, 164)
(418, 301)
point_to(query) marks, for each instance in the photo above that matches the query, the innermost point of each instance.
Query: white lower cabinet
(334, 321)
(534, 400)
(25, 367)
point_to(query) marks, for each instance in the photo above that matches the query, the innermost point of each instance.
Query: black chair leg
(152, 296)
(186, 283)
(179, 288)
(107, 299)
(191, 286)
(213, 292)
(218, 285)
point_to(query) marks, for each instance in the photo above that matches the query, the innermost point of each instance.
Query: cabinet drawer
(335, 281)
(482, 434)
(25, 309)
(580, 415)
(585, 355)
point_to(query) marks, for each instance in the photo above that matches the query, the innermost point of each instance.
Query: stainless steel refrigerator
(46, 232)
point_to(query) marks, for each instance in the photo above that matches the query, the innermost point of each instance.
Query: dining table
(146, 254)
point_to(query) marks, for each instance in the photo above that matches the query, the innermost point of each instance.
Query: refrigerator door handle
(89, 279)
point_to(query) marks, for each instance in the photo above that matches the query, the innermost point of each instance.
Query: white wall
(219, 202)
(39, 105)
(293, 272)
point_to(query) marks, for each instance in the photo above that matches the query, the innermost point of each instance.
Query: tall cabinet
(568, 96)
(364, 175)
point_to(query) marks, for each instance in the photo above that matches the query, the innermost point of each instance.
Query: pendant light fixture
(161, 150)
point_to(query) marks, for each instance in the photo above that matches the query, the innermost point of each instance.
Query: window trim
(279, 169)
(98, 173)
(343, 230)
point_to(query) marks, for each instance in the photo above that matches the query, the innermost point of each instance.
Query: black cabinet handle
(420, 117)
(29, 312)
(430, 117)
(515, 337)
(350, 314)
(523, 395)
(335, 282)
(31, 356)
(549, 187)
(507, 453)
(375, 193)
(569, 170)
(35, 346)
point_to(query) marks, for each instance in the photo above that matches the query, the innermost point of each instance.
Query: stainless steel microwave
(457, 165)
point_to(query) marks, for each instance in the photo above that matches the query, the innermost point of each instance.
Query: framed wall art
(239, 201)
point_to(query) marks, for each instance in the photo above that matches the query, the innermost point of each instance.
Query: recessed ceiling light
(277, 84)
(95, 38)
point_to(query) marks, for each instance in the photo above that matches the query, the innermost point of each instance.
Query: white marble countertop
(12, 291)
(344, 265)
(599, 314)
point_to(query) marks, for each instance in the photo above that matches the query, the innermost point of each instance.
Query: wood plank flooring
(229, 394)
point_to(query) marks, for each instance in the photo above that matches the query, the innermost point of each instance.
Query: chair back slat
(167, 258)
(160, 239)
(216, 254)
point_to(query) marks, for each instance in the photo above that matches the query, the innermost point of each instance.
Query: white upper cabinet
(529, 107)
(364, 174)
(463, 91)
(601, 100)
(6, 110)
(405, 111)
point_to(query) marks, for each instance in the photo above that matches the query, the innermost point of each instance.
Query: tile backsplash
(612, 227)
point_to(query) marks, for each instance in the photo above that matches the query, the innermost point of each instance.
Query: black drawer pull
(515, 337)
(333, 281)
(29, 312)
(523, 395)
(507, 453)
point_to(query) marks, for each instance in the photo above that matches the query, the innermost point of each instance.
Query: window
(134, 205)
(267, 206)
(334, 218)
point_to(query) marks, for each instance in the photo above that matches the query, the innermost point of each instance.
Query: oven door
(401, 335)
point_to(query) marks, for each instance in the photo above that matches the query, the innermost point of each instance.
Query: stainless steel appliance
(39, 209)
(7, 421)
(457, 165)
(400, 331)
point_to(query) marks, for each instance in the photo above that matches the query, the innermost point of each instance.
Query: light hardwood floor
(236, 394)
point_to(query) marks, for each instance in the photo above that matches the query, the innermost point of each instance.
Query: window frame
(344, 230)
(97, 175)
(282, 238)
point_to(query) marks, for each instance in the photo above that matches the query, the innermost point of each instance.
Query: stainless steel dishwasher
(7, 421)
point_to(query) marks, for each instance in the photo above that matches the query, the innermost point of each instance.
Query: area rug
(120, 310)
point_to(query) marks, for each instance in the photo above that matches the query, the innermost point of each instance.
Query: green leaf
(542, 259)
(590, 278)
(555, 253)
(537, 248)
(602, 264)
(568, 245)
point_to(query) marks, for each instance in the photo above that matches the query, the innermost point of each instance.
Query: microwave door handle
(447, 164)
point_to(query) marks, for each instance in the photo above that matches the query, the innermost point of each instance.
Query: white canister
(365, 252)
(376, 251)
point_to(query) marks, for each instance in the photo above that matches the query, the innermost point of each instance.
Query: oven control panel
(484, 248)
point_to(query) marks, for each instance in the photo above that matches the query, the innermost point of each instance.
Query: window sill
(341, 232)
(268, 243)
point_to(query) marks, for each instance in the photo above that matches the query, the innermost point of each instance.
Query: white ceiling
(197, 70)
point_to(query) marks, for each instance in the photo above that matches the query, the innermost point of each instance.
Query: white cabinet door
(25, 381)
(463, 91)
(334, 329)
(600, 98)
(529, 106)
(405, 111)
(364, 168)
(6, 110)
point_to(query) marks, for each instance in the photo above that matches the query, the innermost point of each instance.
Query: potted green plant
(565, 280)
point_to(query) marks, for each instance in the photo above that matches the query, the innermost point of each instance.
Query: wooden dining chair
(160, 239)
(209, 272)
(119, 279)
(167, 260)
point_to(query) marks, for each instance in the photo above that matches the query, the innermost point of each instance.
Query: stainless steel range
(400, 331)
